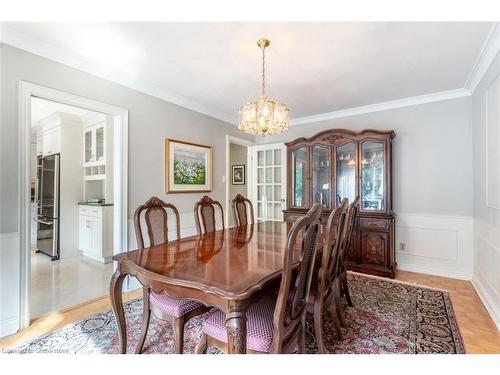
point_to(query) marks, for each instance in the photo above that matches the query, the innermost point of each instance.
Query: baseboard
(9, 327)
(488, 299)
(435, 271)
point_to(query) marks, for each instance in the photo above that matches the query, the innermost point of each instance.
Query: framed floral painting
(188, 167)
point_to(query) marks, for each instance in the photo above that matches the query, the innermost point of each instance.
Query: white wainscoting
(486, 278)
(9, 283)
(435, 245)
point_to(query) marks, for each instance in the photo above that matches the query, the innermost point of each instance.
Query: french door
(268, 181)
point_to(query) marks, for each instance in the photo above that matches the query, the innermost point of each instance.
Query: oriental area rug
(387, 317)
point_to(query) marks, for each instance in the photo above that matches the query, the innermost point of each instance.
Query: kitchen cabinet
(96, 232)
(94, 145)
(51, 141)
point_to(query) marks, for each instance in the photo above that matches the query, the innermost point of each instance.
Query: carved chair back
(240, 212)
(290, 310)
(156, 220)
(331, 247)
(204, 210)
(348, 232)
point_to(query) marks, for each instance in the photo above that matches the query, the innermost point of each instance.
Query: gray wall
(486, 276)
(237, 156)
(150, 121)
(432, 153)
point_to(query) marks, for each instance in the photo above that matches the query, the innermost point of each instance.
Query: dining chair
(240, 212)
(276, 322)
(321, 293)
(176, 311)
(349, 232)
(204, 209)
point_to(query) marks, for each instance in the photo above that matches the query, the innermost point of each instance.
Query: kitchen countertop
(94, 204)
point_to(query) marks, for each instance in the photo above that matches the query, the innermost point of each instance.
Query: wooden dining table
(223, 269)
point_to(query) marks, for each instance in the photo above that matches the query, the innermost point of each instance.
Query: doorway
(238, 175)
(73, 191)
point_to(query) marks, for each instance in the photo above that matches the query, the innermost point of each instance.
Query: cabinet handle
(372, 223)
(373, 250)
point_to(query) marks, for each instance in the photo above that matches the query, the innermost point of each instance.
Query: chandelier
(263, 116)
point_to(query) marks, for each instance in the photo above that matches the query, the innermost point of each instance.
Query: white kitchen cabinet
(94, 150)
(96, 232)
(34, 224)
(51, 141)
(39, 145)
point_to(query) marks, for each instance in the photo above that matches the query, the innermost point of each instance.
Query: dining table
(223, 269)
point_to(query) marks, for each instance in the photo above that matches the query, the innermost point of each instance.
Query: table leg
(236, 325)
(115, 292)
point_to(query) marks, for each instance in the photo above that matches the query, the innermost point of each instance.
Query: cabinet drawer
(292, 218)
(91, 211)
(374, 247)
(373, 223)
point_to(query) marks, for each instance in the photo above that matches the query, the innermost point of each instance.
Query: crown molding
(73, 60)
(384, 106)
(49, 51)
(488, 52)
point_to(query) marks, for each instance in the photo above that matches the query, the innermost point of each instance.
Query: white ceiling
(41, 108)
(312, 67)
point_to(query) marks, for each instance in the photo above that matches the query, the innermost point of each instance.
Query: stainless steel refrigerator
(47, 199)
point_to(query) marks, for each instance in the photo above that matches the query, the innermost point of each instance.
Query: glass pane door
(88, 146)
(269, 185)
(99, 143)
(321, 175)
(372, 176)
(346, 172)
(300, 178)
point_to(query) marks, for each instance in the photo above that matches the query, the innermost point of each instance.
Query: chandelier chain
(263, 72)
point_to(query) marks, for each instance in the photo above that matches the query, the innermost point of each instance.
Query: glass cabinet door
(321, 175)
(372, 176)
(346, 172)
(300, 178)
(88, 146)
(99, 143)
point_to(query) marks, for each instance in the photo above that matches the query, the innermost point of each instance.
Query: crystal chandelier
(263, 116)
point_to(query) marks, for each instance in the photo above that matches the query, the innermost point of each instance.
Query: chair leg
(345, 288)
(179, 335)
(334, 315)
(302, 338)
(318, 326)
(201, 347)
(146, 315)
(338, 305)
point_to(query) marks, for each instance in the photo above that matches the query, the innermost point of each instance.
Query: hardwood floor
(478, 330)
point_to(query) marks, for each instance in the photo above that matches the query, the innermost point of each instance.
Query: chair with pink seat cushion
(276, 322)
(322, 287)
(176, 311)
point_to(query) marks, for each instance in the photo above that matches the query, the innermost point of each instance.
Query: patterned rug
(387, 317)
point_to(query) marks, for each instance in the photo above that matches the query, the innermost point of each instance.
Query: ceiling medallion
(263, 116)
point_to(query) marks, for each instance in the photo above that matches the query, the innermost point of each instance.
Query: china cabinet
(337, 164)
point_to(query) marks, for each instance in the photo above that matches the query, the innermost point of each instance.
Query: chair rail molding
(434, 244)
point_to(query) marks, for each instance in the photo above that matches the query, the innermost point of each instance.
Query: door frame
(284, 172)
(242, 142)
(27, 90)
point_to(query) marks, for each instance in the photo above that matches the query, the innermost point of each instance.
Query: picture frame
(238, 174)
(188, 167)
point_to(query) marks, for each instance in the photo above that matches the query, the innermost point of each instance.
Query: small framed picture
(238, 174)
